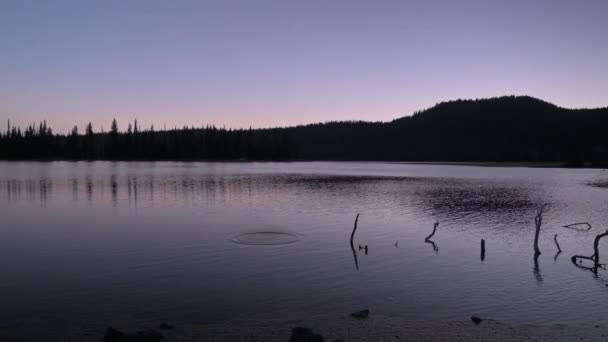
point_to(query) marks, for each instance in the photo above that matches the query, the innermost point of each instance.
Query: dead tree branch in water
(352, 245)
(559, 250)
(573, 226)
(595, 257)
(555, 256)
(428, 238)
(352, 235)
(538, 220)
(433, 233)
(483, 249)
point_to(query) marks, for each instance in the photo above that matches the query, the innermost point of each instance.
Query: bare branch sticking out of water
(559, 250)
(352, 245)
(556, 255)
(574, 226)
(483, 249)
(428, 238)
(595, 257)
(433, 233)
(352, 235)
(538, 221)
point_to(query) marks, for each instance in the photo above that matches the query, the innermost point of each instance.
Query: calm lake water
(182, 241)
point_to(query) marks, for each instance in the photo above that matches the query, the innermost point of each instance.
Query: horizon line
(223, 126)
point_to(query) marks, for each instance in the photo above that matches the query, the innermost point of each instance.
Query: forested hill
(505, 129)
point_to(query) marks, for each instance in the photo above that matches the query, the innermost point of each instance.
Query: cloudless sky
(274, 63)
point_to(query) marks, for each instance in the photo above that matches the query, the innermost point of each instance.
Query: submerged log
(360, 314)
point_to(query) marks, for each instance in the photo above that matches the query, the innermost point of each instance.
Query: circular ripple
(265, 238)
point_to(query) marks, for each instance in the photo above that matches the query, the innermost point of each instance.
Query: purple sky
(275, 63)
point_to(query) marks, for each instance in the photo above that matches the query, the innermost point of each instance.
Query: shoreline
(331, 327)
(552, 165)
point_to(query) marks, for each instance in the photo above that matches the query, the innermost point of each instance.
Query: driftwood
(483, 249)
(559, 250)
(428, 238)
(595, 257)
(433, 233)
(573, 226)
(538, 221)
(352, 245)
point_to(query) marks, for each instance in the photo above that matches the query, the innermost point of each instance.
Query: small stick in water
(433, 233)
(483, 249)
(352, 235)
(573, 226)
(559, 250)
(538, 221)
(352, 245)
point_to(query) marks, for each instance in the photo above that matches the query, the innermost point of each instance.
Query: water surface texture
(216, 241)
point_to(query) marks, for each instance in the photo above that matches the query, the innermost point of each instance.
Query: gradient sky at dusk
(276, 63)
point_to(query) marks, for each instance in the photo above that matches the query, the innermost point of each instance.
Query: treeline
(187, 143)
(505, 129)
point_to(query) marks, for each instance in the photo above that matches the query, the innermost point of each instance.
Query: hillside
(498, 129)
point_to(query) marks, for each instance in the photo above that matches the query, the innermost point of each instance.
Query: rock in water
(113, 335)
(360, 314)
(300, 334)
(476, 319)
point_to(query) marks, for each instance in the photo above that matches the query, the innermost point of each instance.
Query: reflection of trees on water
(114, 187)
(75, 185)
(34, 190)
(447, 200)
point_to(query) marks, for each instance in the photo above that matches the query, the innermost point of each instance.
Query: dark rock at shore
(165, 326)
(113, 335)
(301, 334)
(476, 319)
(360, 314)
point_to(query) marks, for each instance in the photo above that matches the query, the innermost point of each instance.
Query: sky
(268, 63)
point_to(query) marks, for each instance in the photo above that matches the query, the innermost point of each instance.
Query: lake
(215, 241)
